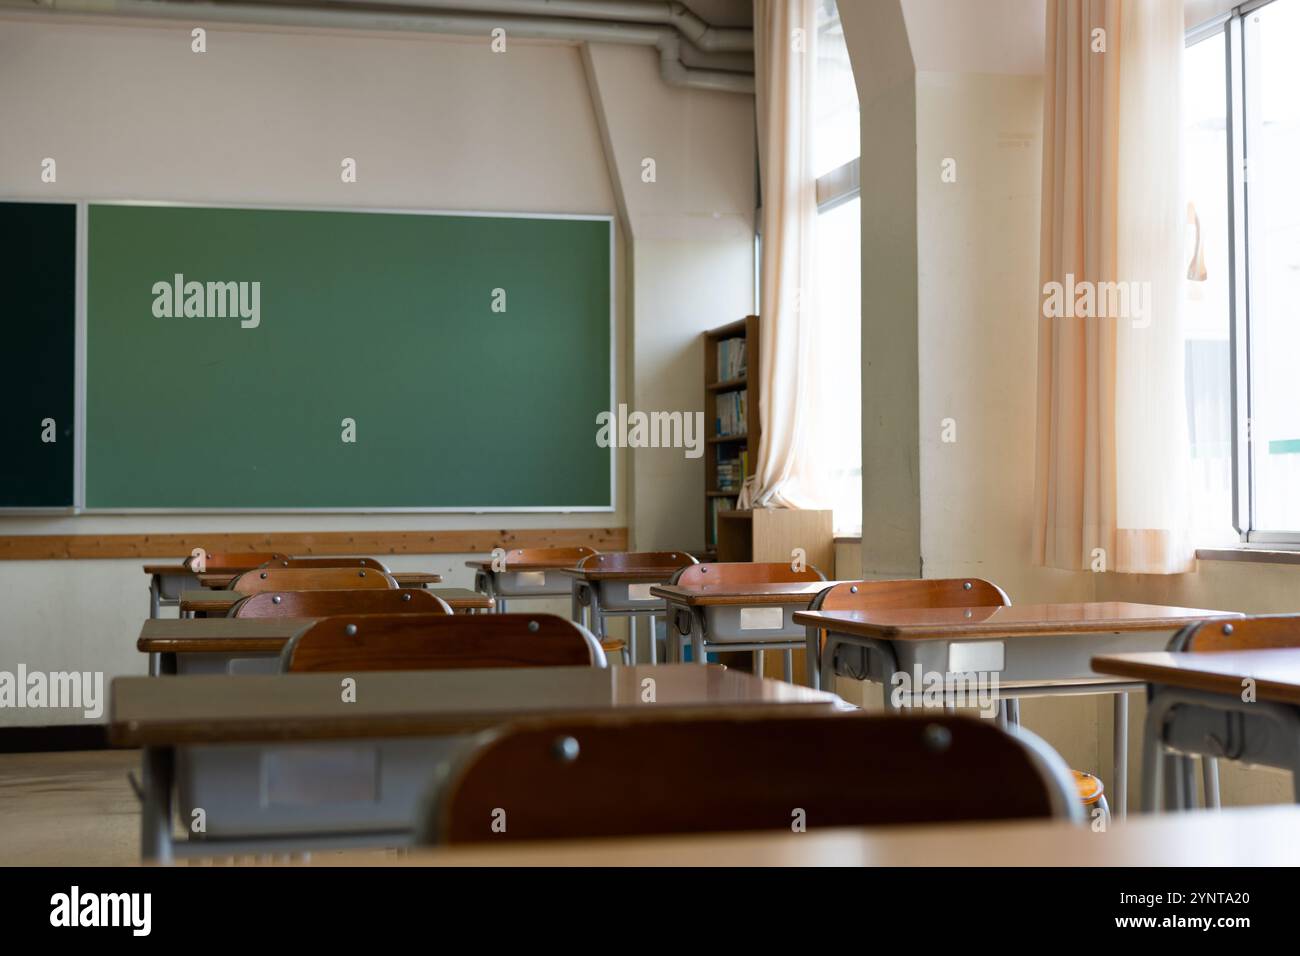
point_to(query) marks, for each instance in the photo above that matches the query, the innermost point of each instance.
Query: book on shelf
(717, 505)
(730, 418)
(731, 467)
(731, 359)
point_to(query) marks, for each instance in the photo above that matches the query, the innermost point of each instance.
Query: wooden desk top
(485, 564)
(224, 708)
(1243, 836)
(169, 635)
(219, 602)
(169, 568)
(793, 592)
(406, 579)
(1018, 620)
(1276, 672)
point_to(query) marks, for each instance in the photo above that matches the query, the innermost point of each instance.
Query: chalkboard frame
(83, 207)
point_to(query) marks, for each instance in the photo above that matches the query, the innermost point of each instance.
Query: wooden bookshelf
(728, 445)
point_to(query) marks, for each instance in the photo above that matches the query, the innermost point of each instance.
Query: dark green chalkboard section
(38, 270)
(382, 318)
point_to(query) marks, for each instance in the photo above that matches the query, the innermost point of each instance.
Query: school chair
(329, 562)
(1268, 632)
(526, 573)
(311, 579)
(330, 603)
(391, 642)
(619, 777)
(625, 593)
(726, 634)
(235, 562)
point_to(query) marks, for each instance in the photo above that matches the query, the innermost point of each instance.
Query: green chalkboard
(38, 358)
(472, 354)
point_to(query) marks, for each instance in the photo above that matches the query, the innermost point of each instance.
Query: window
(836, 146)
(1242, 142)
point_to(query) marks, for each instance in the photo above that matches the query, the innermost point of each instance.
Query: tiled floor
(69, 809)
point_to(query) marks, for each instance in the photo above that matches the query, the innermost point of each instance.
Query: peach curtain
(790, 396)
(1112, 448)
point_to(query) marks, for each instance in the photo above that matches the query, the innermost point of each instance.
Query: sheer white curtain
(1112, 455)
(791, 394)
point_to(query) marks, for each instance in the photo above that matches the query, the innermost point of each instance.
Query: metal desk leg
(156, 811)
(1120, 750)
(673, 647)
(575, 605)
(826, 679)
(787, 665)
(1152, 764)
(698, 655)
(1210, 775)
(812, 657)
(756, 658)
(155, 595)
(631, 638)
(654, 639)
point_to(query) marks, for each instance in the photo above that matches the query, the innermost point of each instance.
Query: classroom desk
(1244, 836)
(1033, 649)
(204, 601)
(530, 579)
(218, 645)
(255, 752)
(619, 592)
(1238, 705)
(166, 582)
(406, 579)
(744, 617)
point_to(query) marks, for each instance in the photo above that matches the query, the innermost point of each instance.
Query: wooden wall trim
(78, 547)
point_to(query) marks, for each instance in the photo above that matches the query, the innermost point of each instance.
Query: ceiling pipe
(664, 39)
(676, 15)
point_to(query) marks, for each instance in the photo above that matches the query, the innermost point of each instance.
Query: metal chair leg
(1210, 777)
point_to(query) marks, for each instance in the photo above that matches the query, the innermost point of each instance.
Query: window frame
(1229, 27)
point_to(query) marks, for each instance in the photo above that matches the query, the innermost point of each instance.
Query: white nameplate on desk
(762, 618)
(639, 592)
(965, 657)
(530, 579)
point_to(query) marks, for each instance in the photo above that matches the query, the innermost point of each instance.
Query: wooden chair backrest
(330, 562)
(744, 572)
(330, 603)
(635, 560)
(311, 579)
(560, 557)
(617, 777)
(1266, 632)
(393, 642)
(234, 562)
(910, 593)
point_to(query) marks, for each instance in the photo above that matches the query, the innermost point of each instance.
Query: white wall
(265, 116)
(692, 259)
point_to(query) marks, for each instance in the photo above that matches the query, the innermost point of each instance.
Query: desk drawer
(532, 584)
(297, 789)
